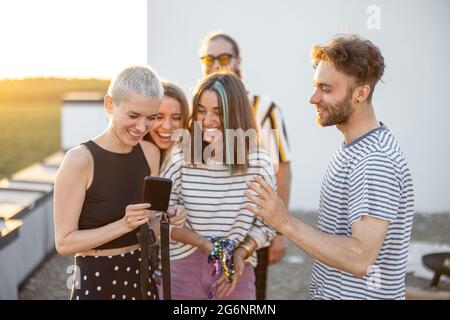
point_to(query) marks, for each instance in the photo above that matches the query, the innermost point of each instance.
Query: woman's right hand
(206, 246)
(136, 215)
(177, 216)
(225, 288)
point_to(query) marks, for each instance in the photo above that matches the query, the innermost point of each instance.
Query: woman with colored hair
(213, 256)
(220, 51)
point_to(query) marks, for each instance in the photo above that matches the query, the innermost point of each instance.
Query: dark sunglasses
(224, 59)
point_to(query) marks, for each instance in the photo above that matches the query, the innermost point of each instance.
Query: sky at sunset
(71, 38)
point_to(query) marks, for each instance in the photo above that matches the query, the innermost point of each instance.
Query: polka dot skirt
(110, 277)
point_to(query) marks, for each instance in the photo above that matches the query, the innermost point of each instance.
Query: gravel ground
(288, 279)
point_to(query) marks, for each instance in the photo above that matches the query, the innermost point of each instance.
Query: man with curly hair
(360, 246)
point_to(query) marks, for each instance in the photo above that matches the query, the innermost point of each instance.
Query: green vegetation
(30, 118)
(46, 89)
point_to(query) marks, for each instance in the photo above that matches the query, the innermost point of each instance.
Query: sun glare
(71, 38)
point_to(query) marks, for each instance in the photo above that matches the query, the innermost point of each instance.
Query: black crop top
(118, 182)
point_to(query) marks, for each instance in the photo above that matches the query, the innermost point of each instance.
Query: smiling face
(215, 48)
(333, 96)
(210, 115)
(169, 119)
(132, 118)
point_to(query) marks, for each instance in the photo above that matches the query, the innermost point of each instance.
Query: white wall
(275, 38)
(81, 121)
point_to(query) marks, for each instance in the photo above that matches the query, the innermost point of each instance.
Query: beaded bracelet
(247, 246)
(247, 249)
(221, 257)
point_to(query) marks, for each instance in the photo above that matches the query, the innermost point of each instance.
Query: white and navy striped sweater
(215, 201)
(369, 177)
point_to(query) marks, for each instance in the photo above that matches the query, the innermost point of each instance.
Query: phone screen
(157, 192)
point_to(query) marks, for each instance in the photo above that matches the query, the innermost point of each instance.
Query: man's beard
(337, 113)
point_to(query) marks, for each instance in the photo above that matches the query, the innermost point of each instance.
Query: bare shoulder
(76, 169)
(149, 148)
(78, 158)
(153, 155)
(151, 152)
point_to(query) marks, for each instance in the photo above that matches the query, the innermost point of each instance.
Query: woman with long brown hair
(209, 180)
(173, 115)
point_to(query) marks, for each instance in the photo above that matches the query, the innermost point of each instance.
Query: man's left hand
(270, 207)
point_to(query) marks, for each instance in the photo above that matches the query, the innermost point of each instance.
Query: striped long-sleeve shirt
(215, 201)
(368, 177)
(273, 133)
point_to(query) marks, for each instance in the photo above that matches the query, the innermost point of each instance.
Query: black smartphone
(157, 192)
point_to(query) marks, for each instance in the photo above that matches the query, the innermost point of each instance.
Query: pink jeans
(192, 279)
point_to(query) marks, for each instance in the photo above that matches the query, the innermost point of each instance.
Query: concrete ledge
(9, 230)
(8, 260)
(54, 160)
(26, 208)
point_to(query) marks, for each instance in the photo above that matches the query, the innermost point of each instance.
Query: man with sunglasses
(219, 51)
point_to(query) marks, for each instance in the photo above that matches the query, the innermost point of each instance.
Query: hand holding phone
(157, 192)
